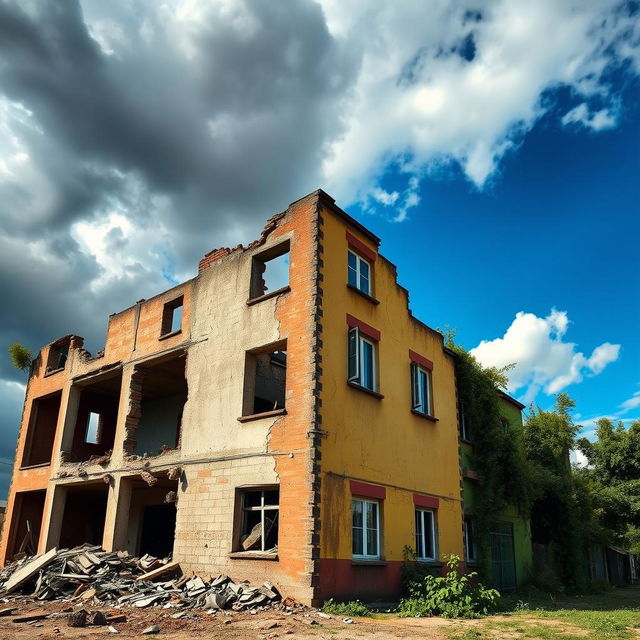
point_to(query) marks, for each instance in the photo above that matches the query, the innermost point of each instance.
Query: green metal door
(503, 562)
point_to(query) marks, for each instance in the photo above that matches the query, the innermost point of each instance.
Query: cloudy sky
(493, 145)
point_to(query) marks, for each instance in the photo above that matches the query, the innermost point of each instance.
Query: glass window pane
(367, 364)
(352, 271)
(424, 391)
(418, 533)
(372, 528)
(428, 534)
(353, 355)
(357, 529)
(364, 276)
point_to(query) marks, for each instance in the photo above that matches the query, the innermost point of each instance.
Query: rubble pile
(116, 579)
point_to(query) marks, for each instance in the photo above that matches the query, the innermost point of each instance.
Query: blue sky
(557, 227)
(493, 146)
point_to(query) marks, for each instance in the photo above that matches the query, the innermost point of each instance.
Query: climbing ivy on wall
(498, 457)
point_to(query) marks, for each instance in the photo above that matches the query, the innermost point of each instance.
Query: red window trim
(421, 360)
(365, 328)
(367, 490)
(361, 248)
(425, 501)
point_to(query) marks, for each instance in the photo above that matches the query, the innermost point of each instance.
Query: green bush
(20, 356)
(454, 595)
(355, 608)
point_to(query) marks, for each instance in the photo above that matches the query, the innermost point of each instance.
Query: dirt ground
(265, 625)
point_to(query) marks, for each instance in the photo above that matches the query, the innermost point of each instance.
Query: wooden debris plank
(151, 575)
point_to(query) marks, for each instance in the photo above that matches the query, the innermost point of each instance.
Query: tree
(561, 510)
(613, 478)
(20, 356)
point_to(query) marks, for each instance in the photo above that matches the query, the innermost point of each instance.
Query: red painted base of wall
(341, 579)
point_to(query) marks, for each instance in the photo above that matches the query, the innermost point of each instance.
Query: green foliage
(498, 458)
(561, 513)
(613, 482)
(352, 609)
(454, 595)
(20, 356)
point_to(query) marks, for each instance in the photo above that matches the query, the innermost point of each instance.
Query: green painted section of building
(511, 551)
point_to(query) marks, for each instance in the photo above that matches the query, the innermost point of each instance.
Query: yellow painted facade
(376, 440)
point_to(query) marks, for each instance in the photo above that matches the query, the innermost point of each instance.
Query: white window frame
(365, 555)
(359, 261)
(356, 375)
(417, 390)
(470, 550)
(423, 542)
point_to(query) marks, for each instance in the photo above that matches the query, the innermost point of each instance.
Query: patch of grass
(352, 609)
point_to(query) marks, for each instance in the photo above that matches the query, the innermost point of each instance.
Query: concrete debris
(154, 628)
(112, 629)
(149, 478)
(89, 576)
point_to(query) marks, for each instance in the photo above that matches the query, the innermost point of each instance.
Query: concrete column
(53, 517)
(117, 457)
(121, 514)
(66, 422)
(110, 517)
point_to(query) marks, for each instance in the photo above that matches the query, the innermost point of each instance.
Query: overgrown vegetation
(498, 457)
(352, 609)
(21, 357)
(454, 595)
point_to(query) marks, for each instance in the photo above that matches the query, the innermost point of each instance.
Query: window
(366, 528)
(421, 389)
(270, 271)
(505, 425)
(172, 317)
(470, 548)
(359, 273)
(259, 520)
(465, 427)
(93, 426)
(362, 360)
(425, 534)
(265, 380)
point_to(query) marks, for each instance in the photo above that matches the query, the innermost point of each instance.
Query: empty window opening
(425, 534)
(26, 523)
(151, 521)
(58, 354)
(41, 431)
(172, 316)
(84, 515)
(470, 547)
(95, 426)
(259, 520)
(270, 271)
(362, 360)
(265, 381)
(164, 393)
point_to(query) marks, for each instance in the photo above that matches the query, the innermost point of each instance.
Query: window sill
(164, 336)
(266, 296)
(26, 467)
(363, 294)
(253, 555)
(52, 372)
(363, 562)
(375, 394)
(264, 414)
(424, 416)
(430, 563)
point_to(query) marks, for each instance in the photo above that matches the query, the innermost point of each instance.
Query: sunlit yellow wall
(379, 440)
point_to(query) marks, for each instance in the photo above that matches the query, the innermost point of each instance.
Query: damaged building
(280, 416)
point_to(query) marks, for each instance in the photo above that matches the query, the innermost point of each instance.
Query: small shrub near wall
(454, 595)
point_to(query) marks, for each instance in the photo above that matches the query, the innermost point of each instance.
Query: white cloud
(632, 403)
(450, 82)
(543, 359)
(578, 458)
(598, 120)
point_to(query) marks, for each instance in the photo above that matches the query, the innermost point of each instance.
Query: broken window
(26, 521)
(270, 271)
(41, 432)
(265, 380)
(96, 418)
(58, 354)
(172, 316)
(259, 521)
(164, 393)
